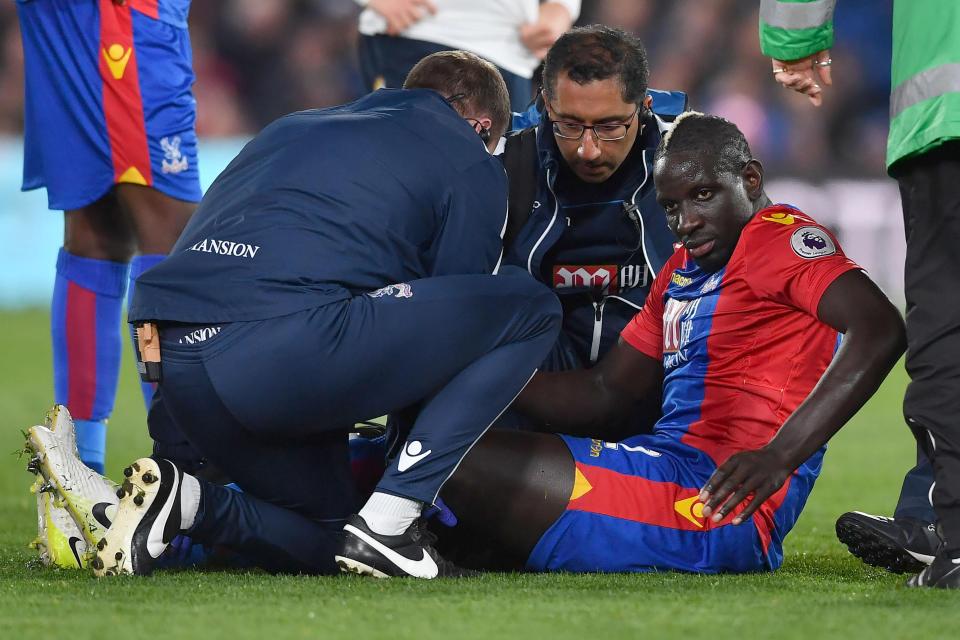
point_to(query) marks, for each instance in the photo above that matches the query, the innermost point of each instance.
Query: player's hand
(750, 474)
(402, 14)
(805, 75)
(553, 20)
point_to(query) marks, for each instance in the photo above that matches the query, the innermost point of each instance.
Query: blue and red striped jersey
(741, 347)
(173, 12)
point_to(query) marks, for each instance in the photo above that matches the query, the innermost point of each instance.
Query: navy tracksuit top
(326, 204)
(580, 240)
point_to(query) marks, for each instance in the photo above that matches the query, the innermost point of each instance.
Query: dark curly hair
(596, 52)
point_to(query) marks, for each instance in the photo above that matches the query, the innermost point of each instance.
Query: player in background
(740, 329)
(512, 34)
(109, 131)
(340, 268)
(923, 155)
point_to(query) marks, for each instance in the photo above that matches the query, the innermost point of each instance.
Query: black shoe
(410, 554)
(943, 573)
(147, 519)
(903, 545)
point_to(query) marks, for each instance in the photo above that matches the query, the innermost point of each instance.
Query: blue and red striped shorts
(108, 100)
(635, 508)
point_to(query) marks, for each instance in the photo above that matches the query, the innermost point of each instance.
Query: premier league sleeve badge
(812, 242)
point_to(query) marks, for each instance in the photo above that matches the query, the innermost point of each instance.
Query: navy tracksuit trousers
(270, 402)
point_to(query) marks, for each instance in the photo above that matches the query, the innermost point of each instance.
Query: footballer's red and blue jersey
(741, 349)
(108, 98)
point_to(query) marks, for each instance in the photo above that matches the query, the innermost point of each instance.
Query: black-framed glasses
(608, 132)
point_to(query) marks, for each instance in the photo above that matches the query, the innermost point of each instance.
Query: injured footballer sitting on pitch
(741, 332)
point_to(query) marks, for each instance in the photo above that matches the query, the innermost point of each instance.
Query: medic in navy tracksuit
(598, 246)
(584, 241)
(337, 270)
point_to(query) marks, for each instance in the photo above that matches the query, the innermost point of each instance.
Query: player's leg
(507, 492)
(85, 318)
(914, 501)
(633, 506)
(85, 131)
(67, 149)
(157, 219)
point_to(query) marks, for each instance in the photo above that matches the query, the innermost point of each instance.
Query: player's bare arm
(874, 338)
(584, 402)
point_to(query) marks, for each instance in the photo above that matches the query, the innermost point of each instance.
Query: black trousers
(930, 190)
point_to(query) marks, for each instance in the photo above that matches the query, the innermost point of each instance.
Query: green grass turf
(820, 592)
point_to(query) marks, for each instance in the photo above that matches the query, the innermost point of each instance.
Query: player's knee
(99, 232)
(159, 218)
(99, 251)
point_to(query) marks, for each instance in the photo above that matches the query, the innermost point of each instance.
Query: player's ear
(752, 175)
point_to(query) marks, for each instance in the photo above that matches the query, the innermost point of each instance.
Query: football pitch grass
(821, 591)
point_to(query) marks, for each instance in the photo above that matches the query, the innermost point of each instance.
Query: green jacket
(925, 70)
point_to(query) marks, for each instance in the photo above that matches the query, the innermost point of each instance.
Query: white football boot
(147, 520)
(59, 540)
(67, 484)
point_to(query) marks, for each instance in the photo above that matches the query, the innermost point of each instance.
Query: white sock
(189, 501)
(390, 515)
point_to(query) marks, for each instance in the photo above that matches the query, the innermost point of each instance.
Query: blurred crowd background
(256, 60)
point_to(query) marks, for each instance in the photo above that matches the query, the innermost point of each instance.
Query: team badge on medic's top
(401, 290)
(812, 242)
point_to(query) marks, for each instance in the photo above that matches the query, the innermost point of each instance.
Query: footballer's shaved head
(706, 135)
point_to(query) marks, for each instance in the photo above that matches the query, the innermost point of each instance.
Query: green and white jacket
(925, 71)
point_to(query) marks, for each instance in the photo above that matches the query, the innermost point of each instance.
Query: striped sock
(85, 327)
